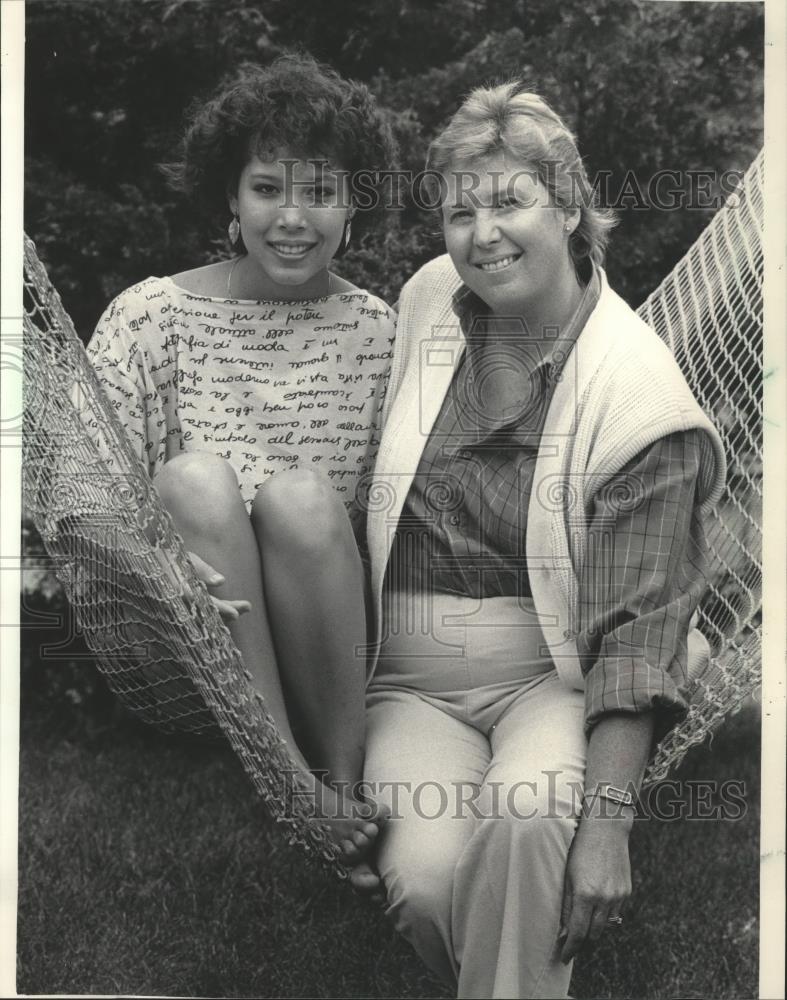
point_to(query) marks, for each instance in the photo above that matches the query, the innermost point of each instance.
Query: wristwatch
(620, 796)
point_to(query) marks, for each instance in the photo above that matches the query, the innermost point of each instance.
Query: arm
(638, 592)
(358, 512)
(359, 506)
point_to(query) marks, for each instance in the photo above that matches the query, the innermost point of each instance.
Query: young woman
(537, 551)
(250, 388)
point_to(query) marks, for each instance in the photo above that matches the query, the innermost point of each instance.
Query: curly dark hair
(297, 104)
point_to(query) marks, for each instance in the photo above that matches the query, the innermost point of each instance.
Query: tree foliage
(646, 87)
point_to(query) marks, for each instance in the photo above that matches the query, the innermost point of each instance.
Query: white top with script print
(266, 385)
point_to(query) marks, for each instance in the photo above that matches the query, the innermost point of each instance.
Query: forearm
(618, 752)
(598, 874)
(638, 590)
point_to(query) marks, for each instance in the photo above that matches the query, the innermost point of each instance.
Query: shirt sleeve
(360, 503)
(93, 457)
(119, 359)
(642, 580)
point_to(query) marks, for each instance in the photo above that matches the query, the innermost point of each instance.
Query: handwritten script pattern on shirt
(267, 386)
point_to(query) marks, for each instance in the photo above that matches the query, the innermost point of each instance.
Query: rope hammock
(170, 658)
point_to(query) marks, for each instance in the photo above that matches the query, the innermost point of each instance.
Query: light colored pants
(479, 750)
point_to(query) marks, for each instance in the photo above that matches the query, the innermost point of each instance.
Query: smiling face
(292, 216)
(508, 240)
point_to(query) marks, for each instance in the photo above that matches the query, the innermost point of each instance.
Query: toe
(361, 841)
(364, 880)
(349, 851)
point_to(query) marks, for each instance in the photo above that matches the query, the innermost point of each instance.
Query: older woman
(537, 553)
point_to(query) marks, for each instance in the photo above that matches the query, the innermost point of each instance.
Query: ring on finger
(616, 920)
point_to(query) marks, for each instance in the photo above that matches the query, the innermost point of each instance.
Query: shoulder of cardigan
(660, 389)
(432, 275)
(429, 293)
(425, 313)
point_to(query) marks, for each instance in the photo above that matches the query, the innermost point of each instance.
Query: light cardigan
(621, 390)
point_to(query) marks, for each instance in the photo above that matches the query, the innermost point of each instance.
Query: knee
(195, 470)
(420, 890)
(300, 509)
(539, 811)
(195, 483)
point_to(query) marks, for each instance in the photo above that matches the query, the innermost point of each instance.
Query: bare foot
(354, 825)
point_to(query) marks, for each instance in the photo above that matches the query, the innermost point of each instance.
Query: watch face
(618, 795)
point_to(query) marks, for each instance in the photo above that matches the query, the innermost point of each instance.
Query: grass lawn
(148, 866)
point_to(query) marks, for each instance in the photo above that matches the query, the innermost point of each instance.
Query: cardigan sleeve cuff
(631, 685)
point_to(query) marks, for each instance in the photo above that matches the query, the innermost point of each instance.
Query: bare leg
(201, 493)
(313, 580)
(314, 586)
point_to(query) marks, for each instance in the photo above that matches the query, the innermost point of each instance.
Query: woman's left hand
(598, 880)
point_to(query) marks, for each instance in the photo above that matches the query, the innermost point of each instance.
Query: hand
(230, 611)
(598, 880)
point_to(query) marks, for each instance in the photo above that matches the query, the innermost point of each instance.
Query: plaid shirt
(463, 525)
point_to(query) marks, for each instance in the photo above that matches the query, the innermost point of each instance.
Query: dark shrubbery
(647, 87)
(59, 678)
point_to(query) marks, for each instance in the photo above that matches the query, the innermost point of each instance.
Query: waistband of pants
(435, 641)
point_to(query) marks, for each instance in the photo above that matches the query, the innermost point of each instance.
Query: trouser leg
(509, 880)
(418, 759)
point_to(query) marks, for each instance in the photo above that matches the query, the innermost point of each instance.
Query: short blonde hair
(510, 119)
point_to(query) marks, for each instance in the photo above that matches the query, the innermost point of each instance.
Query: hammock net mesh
(150, 622)
(709, 311)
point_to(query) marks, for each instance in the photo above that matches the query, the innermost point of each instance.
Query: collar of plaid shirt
(534, 360)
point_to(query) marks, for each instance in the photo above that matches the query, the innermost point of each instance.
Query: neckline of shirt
(223, 300)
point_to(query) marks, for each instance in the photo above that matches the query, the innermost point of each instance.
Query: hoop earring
(342, 248)
(233, 230)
